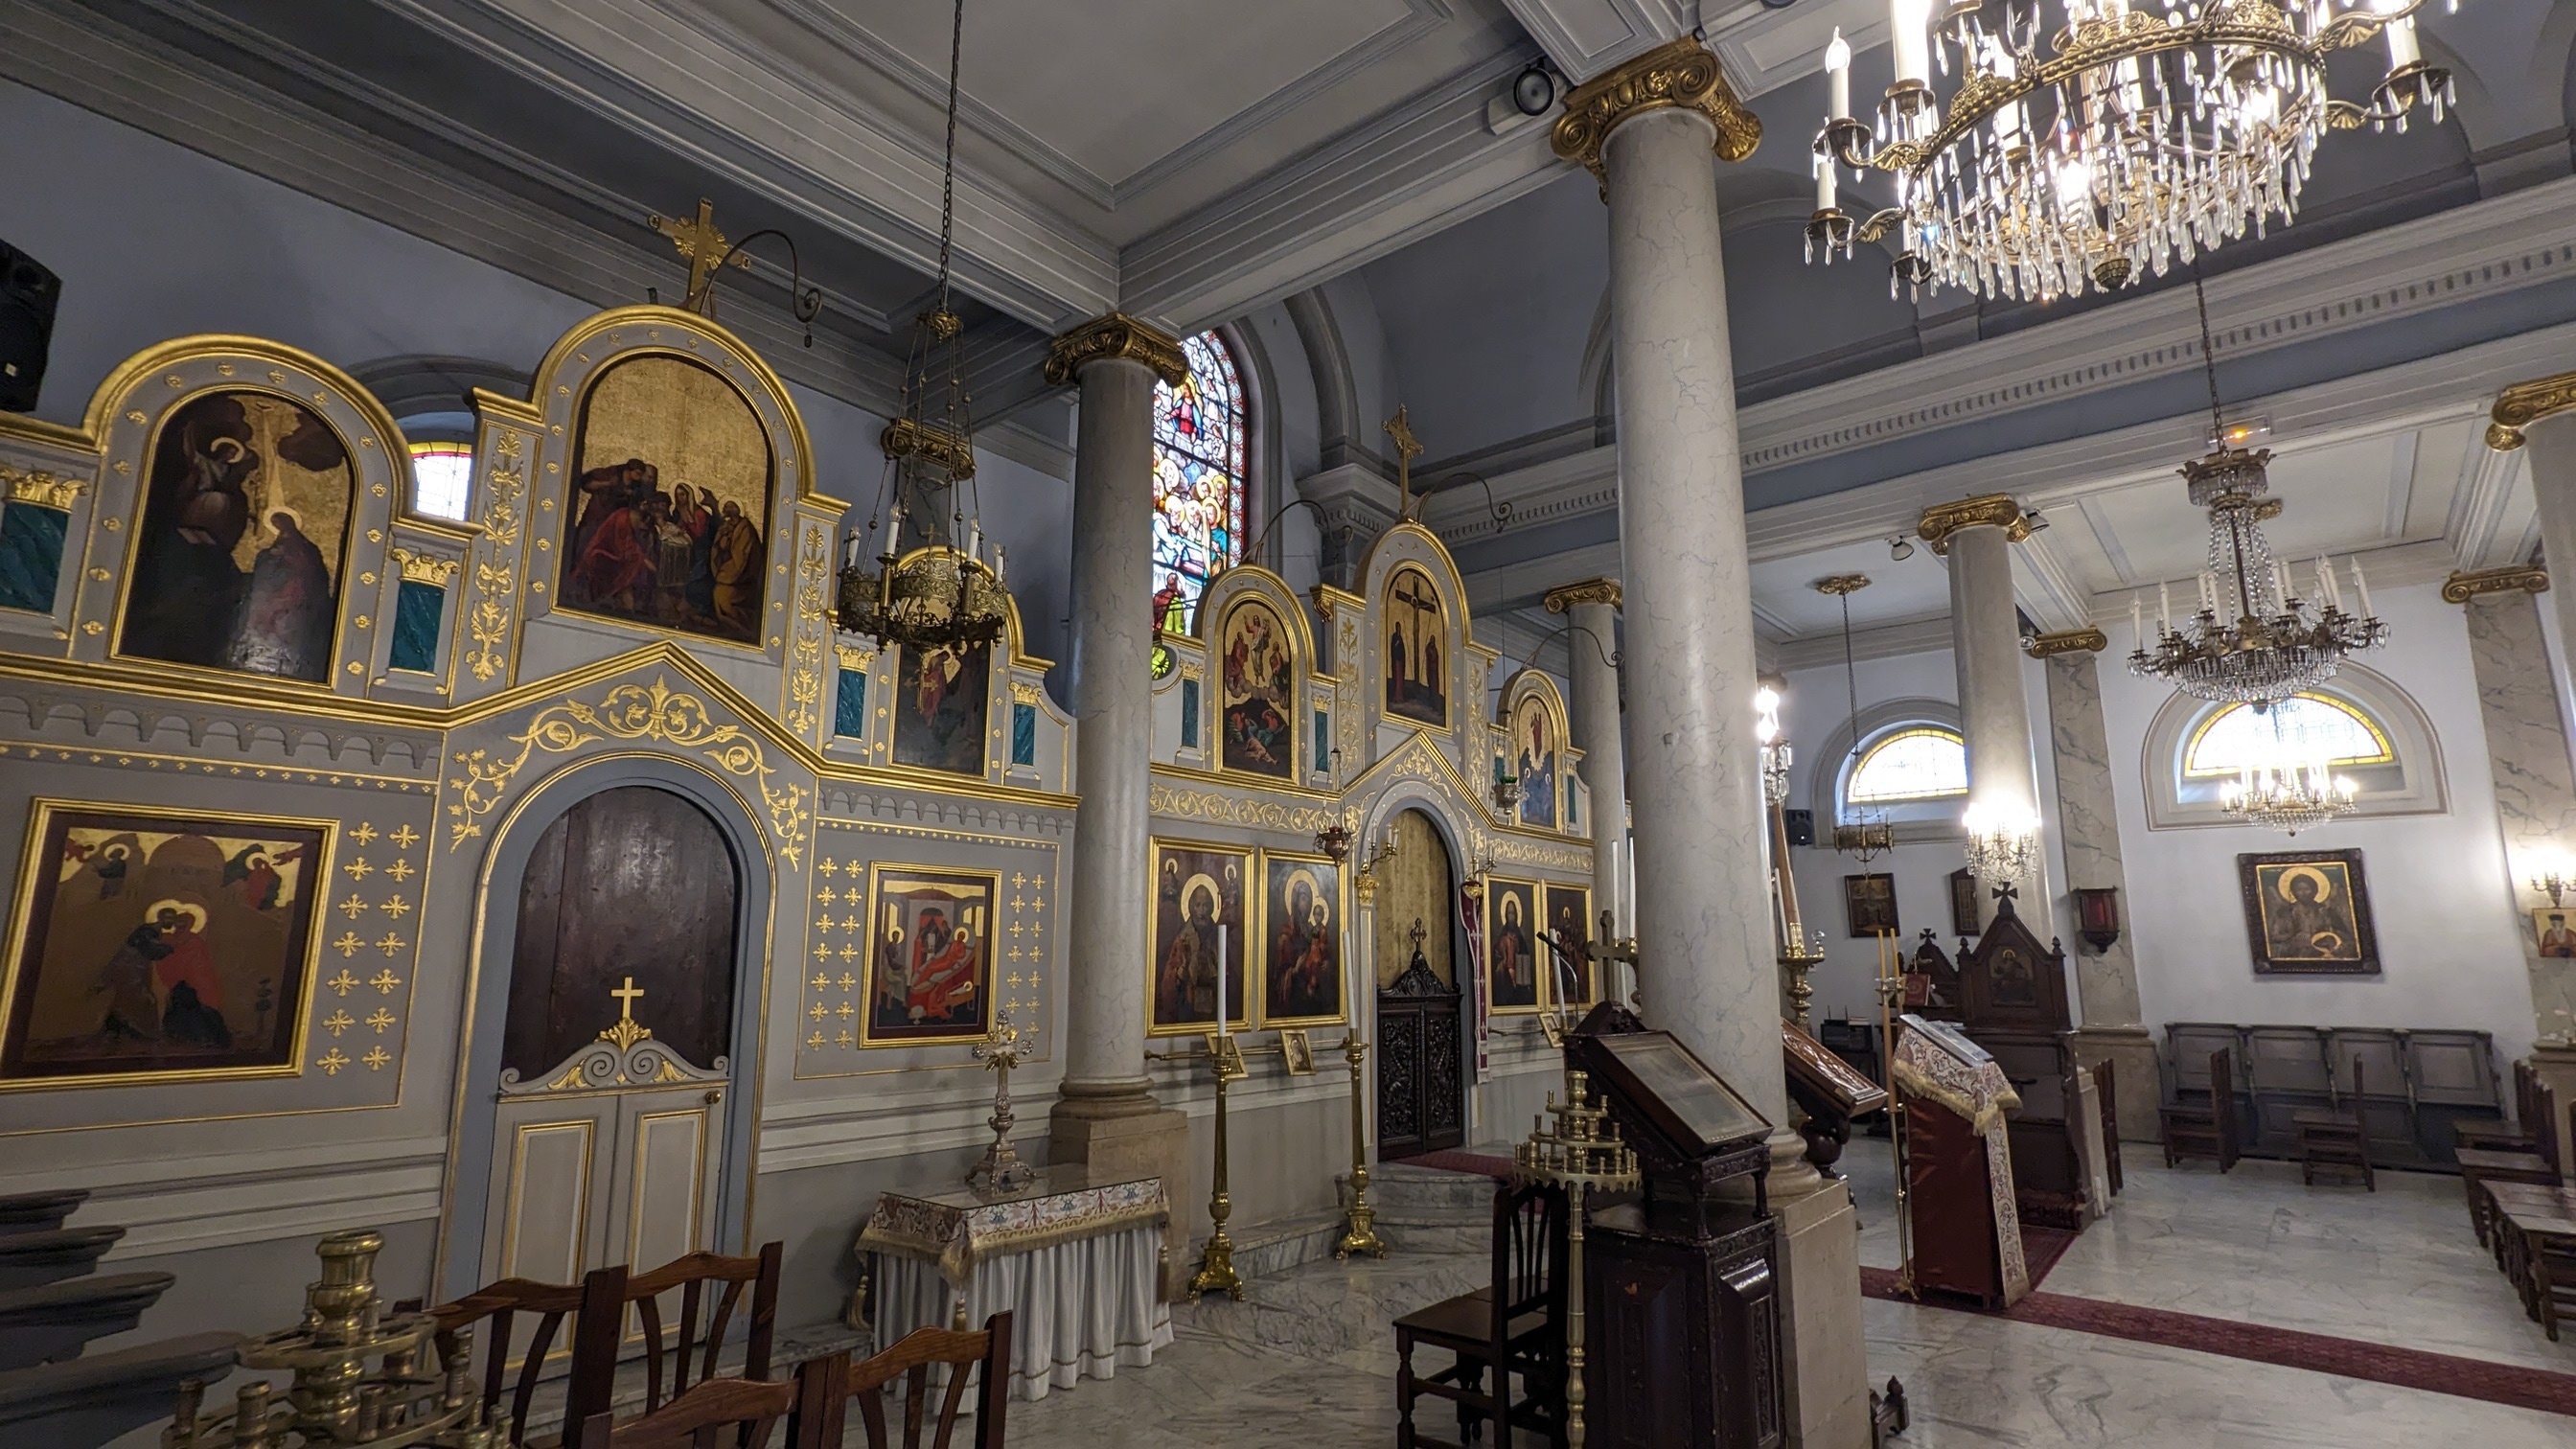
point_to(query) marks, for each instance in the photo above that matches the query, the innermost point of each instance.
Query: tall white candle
(2164, 609)
(1909, 32)
(2402, 49)
(2361, 589)
(2281, 581)
(2328, 592)
(2137, 626)
(1825, 183)
(1221, 1012)
(1838, 76)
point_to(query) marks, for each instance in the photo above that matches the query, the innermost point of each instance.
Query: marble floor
(1310, 1360)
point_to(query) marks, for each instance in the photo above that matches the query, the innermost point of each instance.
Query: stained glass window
(441, 476)
(1921, 762)
(1198, 479)
(2297, 730)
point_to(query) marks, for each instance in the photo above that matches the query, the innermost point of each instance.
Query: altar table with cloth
(1076, 1262)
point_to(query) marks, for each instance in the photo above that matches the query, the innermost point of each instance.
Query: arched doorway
(1421, 1046)
(609, 1137)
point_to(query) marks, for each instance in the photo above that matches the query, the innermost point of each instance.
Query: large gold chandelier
(943, 595)
(2091, 149)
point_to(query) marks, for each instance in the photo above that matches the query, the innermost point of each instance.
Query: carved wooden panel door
(609, 1141)
(1421, 1101)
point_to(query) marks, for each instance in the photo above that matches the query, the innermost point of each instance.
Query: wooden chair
(712, 1287)
(1516, 1325)
(2204, 1131)
(2540, 1167)
(726, 1413)
(2106, 1091)
(492, 1310)
(2495, 1134)
(2334, 1137)
(910, 1361)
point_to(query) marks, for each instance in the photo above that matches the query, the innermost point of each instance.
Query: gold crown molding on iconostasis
(1683, 75)
(1115, 335)
(1994, 510)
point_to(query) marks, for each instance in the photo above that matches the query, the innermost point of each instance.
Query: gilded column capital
(2525, 403)
(1997, 510)
(39, 489)
(1116, 335)
(2463, 586)
(1683, 74)
(1590, 591)
(2087, 640)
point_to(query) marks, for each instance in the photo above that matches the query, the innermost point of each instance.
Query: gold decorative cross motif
(1407, 448)
(700, 244)
(626, 1033)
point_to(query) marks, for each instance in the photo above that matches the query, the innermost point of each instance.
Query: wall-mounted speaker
(1800, 825)
(28, 292)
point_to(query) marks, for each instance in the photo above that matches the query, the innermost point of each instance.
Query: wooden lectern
(1681, 1285)
(1958, 1164)
(1829, 1090)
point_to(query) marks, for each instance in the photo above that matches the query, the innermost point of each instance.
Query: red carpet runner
(2406, 1368)
(1451, 1160)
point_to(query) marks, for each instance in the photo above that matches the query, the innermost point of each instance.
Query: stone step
(54, 1321)
(1407, 1195)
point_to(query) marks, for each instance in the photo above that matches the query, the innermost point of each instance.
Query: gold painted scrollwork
(1210, 805)
(629, 712)
(805, 661)
(487, 624)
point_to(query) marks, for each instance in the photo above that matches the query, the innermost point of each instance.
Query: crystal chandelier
(942, 595)
(2287, 798)
(2088, 147)
(2253, 638)
(2002, 842)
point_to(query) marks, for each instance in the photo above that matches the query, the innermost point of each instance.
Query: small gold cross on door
(626, 1033)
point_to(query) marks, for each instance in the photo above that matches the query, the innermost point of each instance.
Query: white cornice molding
(1879, 641)
(1587, 37)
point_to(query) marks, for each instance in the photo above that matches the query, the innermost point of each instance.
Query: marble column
(2088, 824)
(1703, 917)
(2553, 501)
(1591, 612)
(1977, 534)
(2535, 784)
(1106, 1114)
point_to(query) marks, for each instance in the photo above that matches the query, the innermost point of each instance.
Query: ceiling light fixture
(1868, 835)
(2088, 147)
(942, 595)
(2253, 638)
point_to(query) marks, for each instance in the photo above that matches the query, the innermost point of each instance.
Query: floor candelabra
(1361, 1236)
(1582, 1154)
(1216, 1272)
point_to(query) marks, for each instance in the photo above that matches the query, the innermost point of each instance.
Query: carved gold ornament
(1995, 509)
(424, 568)
(2463, 586)
(629, 712)
(1592, 591)
(951, 451)
(2087, 640)
(805, 657)
(1115, 335)
(1682, 75)
(2526, 403)
(39, 489)
(487, 623)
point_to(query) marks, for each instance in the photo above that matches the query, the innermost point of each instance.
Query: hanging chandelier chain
(2208, 359)
(948, 166)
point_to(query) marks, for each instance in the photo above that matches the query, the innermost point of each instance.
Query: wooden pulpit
(2012, 1002)
(1682, 1285)
(1958, 1164)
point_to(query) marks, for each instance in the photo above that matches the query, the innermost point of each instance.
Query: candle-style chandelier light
(2090, 140)
(2252, 638)
(942, 595)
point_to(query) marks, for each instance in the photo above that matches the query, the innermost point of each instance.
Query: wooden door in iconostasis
(1421, 1042)
(609, 1142)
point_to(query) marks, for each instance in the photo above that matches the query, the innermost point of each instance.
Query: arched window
(442, 474)
(2300, 729)
(1198, 479)
(1917, 762)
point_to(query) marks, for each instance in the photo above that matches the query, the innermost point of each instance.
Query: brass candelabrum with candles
(1216, 1272)
(335, 1399)
(1581, 1155)
(1891, 992)
(1002, 1173)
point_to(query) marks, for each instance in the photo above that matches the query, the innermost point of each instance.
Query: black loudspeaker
(1800, 825)
(28, 293)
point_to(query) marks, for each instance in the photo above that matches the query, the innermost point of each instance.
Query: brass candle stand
(1216, 1272)
(1361, 1236)
(1891, 991)
(1582, 1155)
(335, 1400)
(1001, 1173)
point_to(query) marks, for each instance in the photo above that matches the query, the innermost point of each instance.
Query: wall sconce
(2002, 841)
(2555, 883)
(2097, 916)
(1334, 841)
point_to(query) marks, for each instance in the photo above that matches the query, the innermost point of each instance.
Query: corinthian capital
(1115, 335)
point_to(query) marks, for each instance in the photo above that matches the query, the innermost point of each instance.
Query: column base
(2137, 1077)
(1826, 1373)
(1118, 1131)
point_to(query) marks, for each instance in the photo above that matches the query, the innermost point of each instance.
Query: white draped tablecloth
(1075, 1263)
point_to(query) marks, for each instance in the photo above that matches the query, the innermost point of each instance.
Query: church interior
(1417, 722)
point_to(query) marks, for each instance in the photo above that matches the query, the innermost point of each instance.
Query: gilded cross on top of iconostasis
(701, 245)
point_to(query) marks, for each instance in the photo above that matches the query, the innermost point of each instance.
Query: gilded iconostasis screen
(1417, 627)
(158, 946)
(669, 516)
(1259, 693)
(245, 529)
